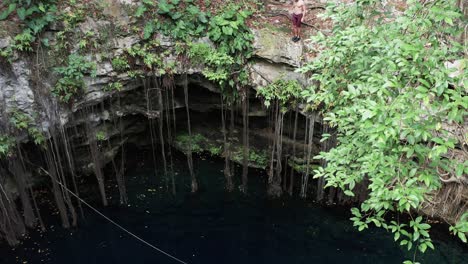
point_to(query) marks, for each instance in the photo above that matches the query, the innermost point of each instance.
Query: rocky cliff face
(275, 57)
(92, 130)
(25, 87)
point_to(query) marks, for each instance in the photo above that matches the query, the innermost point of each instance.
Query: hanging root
(291, 180)
(274, 179)
(245, 139)
(189, 127)
(168, 85)
(227, 152)
(11, 225)
(305, 177)
(449, 203)
(96, 156)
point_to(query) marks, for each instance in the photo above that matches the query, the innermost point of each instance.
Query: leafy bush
(114, 86)
(287, 93)
(21, 121)
(120, 64)
(185, 21)
(182, 19)
(34, 14)
(258, 158)
(148, 53)
(215, 150)
(461, 228)
(71, 82)
(6, 143)
(190, 143)
(387, 90)
(217, 64)
(231, 33)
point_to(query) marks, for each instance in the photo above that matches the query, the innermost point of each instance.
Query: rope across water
(121, 227)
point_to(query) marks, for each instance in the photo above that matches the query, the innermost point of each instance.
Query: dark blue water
(215, 227)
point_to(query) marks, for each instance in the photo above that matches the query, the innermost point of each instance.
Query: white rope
(121, 227)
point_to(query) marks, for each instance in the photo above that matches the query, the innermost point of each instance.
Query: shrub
(71, 82)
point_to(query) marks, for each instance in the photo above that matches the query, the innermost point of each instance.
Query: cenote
(214, 226)
(205, 130)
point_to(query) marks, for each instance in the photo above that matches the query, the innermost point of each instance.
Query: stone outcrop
(274, 58)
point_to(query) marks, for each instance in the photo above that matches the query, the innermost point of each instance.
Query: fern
(71, 81)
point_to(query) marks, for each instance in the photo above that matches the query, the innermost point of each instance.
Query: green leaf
(21, 12)
(176, 15)
(42, 8)
(202, 18)
(356, 212)
(424, 226)
(140, 11)
(423, 247)
(462, 236)
(227, 30)
(7, 12)
(148, 30)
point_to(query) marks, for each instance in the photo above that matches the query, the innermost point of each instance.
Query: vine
(386, 89)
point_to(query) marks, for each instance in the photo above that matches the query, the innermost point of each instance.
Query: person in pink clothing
(298, 14)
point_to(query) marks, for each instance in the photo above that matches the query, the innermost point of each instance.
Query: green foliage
(75, 13)
(35, 15)
(385, 87)
(6, 144)
(114, 86)
(258, 158)
(231, 33)
(184, 21)
(148, 53)
(461, 228)
(300, 165)
(287, 93)
(88, 41)
(181, 20)
(71, 82)
(21, 122)
(23, 41)
(101, 136)
(190, 143)
(217, 63)
(215, 150)
(134, 74)
(232, 36)
(120, 64)
(187, 19)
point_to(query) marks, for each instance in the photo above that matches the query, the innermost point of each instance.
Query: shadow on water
(217, 227)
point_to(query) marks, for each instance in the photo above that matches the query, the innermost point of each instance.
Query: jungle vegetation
(380, 83)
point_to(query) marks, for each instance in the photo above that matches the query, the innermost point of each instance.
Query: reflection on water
(215, 227)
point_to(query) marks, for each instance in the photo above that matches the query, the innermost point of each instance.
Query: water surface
(215, 227)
